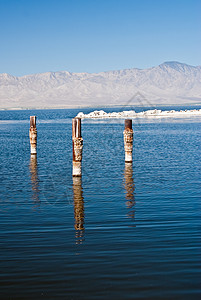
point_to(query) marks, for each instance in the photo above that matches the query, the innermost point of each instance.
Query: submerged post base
(77, 168)
(33, 149)
(128, 156)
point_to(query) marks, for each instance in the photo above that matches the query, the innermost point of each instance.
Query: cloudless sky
(97, 35)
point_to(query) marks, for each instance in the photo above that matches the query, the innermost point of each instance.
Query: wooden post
(33, 135)
(77, 147)
(128, 140)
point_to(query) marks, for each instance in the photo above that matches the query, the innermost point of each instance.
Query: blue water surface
(121, 231)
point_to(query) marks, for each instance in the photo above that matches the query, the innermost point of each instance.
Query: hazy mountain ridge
(168, 83)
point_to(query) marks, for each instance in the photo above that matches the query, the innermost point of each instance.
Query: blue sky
(93, 36)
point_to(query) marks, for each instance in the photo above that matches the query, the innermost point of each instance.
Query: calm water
(120, 232)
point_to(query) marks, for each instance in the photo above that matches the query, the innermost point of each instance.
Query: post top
(76, 128)
(33, 121)
(128, 124)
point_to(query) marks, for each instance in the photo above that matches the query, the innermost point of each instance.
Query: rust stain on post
(77, 146)
(128, 124)
(128, 140)
(33, 121)
(33, 135)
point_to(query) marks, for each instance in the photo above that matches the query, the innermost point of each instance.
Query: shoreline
(154, 113)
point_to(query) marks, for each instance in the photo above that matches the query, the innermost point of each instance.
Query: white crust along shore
(101, 114)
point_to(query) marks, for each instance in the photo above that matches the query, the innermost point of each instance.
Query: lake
(121, 231)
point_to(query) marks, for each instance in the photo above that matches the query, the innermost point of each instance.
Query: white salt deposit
(101, 114)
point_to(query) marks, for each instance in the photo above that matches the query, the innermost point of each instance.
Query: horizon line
(113, 70)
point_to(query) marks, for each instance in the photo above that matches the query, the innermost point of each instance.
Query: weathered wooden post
(77, 147)
(33, 135)
(128, 140)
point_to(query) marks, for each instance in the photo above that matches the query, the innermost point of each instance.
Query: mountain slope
(168, 83)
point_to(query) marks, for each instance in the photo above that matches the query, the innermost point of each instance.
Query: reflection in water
(130, 189)
(34, 179)
(78, 209)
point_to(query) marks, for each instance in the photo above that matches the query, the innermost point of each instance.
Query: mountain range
(171, 83)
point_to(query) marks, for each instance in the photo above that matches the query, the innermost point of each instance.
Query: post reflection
(33, 167)
(78, 209)
(130, 189)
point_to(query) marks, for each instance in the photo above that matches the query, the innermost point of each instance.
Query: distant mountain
(169, 83)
